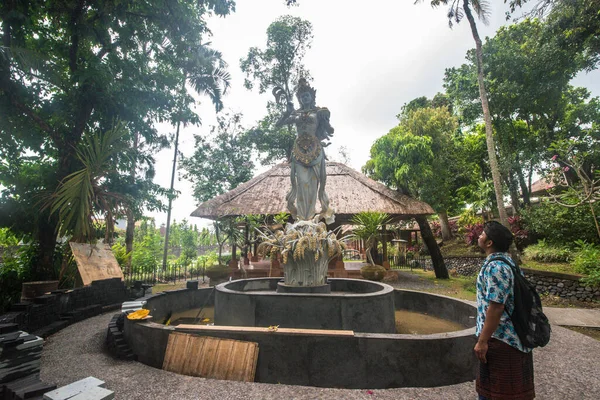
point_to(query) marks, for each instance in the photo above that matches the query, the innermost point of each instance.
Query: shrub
(467, 219)
(218, 271)
(544, 252)
(436, 228)
(521, 234)
(472, 233)
(560, 225)
(587, 261)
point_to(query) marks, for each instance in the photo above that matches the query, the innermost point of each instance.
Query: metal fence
(173, 273)
(417, 261)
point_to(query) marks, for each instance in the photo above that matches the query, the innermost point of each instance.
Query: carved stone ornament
(307, 149)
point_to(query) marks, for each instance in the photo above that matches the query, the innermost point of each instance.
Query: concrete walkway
(565, 369)
(588, 318)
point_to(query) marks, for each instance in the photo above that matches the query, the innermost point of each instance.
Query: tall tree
(205, 71)
(416, 158)
(458, 9)
(221, 161)
(277, 67)
(68, 67)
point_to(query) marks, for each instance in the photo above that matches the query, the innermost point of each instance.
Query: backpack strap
(514, 270)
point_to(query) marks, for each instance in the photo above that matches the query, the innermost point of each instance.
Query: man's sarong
(508, 373)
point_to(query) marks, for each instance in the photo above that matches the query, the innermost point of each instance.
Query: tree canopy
(70, 68)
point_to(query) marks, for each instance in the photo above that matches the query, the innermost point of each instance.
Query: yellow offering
(139, 314)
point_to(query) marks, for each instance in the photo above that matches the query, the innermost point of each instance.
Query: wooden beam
(255, 329)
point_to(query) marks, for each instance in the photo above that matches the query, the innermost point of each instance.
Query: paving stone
(68, 391)
(97, 393)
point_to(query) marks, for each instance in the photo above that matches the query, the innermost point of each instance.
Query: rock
(588, 289)
(560, 284)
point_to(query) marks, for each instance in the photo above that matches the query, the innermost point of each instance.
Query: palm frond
(482, 9)
(79, 193)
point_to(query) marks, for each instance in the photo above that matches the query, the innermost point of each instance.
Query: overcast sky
(366, 61)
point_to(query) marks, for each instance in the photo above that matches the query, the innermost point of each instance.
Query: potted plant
(367, 226)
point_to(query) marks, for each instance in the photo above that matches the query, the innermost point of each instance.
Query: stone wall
(49, 313)
(562, 285)
(553, 283)
(464, 266)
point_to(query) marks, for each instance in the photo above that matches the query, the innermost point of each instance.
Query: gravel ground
(566, 369)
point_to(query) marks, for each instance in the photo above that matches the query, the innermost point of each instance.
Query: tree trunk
(439, 266)
(445, 225)
(524, 188)
(489, 133)
(43, 269)
(129, 230)
(513, 188)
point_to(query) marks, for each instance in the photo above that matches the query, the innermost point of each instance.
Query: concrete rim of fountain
(318, 358)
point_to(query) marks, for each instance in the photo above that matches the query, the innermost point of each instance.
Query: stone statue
(308, 172)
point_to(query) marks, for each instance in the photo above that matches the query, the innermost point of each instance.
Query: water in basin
(407, 322)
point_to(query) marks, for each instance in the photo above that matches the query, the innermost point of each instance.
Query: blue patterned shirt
(495, 282)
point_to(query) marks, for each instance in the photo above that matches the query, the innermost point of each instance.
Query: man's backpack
(530, 323)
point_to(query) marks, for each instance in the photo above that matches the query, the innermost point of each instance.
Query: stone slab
(95, 393)
(73, 389)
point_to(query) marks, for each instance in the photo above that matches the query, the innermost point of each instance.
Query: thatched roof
(349, 191)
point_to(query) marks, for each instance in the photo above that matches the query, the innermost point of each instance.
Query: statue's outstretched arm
(285, 118)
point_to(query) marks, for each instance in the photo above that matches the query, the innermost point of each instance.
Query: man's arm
(492, 320)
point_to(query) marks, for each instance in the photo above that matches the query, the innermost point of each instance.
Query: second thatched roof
(349, 191)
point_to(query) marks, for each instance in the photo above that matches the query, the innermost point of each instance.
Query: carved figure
(308, 172)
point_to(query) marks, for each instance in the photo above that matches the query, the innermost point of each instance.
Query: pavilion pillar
(386, 262)
(233, 263)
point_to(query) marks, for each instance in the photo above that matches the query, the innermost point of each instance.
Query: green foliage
(15, 267)
(468, 217)
(560, 225)
(217, 271)
(587, 261)
(101, 61)
(367, 225)
(120, 253)
(420, 157)
(545, 252)
(219, 163)
(281, 218)
(85, 191)
(278, 66)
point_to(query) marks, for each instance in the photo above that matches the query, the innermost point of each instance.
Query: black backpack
(530, 323)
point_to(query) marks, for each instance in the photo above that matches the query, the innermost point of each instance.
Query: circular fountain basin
(353, 304)
(329, 358)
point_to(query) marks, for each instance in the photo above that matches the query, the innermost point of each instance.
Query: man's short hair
(500, 235)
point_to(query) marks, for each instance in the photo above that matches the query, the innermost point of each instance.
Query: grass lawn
(460, 287)
(552, 267)
(458, 248)
(463, 287)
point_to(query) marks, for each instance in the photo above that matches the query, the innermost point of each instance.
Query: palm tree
(84, 193)
(205, 71)
(368, 224)
(459, 9)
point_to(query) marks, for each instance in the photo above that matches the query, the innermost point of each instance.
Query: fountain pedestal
(283, 288)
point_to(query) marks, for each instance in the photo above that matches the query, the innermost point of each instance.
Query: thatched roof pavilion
(349, 191)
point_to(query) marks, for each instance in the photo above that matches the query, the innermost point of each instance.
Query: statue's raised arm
(308, 171)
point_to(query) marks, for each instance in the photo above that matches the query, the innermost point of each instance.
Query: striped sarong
(507, 375)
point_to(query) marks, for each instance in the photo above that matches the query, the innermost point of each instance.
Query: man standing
(505, 365)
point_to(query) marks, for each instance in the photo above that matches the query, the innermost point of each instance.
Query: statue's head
(305, 93)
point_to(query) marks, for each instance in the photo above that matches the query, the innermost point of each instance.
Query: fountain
(326, 332)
